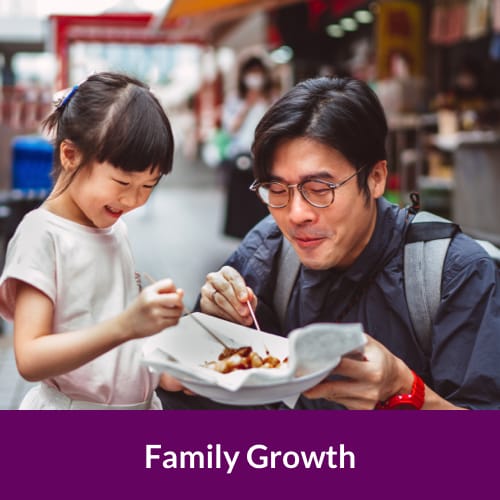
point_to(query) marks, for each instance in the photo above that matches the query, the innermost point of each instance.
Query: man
(320, 166)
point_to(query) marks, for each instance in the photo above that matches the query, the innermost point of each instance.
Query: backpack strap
(288, 270)
(492, 250)
(426, 244)
(427, 241)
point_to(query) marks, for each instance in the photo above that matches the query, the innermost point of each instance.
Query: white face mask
(254, 81)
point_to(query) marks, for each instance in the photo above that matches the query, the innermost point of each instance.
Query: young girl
(69, 283)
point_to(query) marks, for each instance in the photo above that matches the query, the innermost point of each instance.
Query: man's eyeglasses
(317, 192)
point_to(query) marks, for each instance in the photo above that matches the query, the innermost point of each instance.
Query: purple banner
(248, 454)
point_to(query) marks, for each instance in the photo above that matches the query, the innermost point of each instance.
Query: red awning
(200, 19)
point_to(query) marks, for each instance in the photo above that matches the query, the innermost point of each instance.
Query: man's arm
(377, 378)
(466, 343)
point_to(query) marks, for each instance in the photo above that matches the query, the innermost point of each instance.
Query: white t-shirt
(88, 273)
(242, 139)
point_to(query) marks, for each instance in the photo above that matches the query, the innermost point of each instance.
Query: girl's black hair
(342, 113)
(114, 118)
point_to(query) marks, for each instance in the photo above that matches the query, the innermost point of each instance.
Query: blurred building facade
(412, 52)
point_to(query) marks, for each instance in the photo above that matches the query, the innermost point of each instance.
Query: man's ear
(69, 156)
(377, 179)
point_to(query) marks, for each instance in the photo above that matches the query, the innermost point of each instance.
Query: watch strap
(412, 401)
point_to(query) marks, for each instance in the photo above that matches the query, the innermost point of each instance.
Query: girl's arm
(42, 353)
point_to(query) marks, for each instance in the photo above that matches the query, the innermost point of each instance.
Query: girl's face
(101, 193)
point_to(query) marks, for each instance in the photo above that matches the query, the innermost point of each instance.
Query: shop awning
(180, 8)
(203, 19)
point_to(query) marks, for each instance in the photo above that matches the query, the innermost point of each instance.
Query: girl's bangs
(140, 138)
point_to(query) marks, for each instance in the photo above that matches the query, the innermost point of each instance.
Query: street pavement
(177, 234)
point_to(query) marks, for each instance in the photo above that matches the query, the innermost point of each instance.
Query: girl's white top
(88, 274)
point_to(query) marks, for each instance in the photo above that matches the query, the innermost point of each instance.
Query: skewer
(255, 322)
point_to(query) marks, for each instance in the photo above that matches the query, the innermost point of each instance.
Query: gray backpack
(425, 249)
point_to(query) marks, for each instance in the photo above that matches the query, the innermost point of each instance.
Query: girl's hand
(157, 307)
(225, 295)
(169, 383)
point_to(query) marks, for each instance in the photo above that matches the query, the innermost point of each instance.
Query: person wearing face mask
(241, 113)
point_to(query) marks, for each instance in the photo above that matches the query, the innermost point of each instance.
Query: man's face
(333, 236)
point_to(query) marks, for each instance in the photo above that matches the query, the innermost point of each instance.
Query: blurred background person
(241, 113)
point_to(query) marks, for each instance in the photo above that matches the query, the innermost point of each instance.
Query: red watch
(413, 401)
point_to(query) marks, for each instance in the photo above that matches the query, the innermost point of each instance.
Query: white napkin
(321, 345)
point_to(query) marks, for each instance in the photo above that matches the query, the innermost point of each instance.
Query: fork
(189, 313)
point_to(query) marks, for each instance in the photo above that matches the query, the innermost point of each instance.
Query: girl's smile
(113, 212)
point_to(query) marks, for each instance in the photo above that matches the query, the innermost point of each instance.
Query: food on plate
(242, 358)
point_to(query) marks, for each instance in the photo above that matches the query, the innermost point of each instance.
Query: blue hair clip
(68, 96)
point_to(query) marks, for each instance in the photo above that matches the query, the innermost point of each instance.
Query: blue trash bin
(31, 163)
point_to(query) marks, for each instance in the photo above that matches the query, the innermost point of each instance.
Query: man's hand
(379, 376)
(225, 294)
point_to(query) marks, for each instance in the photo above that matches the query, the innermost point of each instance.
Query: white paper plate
(312, 353)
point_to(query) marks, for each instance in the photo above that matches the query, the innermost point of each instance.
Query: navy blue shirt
(464, 365)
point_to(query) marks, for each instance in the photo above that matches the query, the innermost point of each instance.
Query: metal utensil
(216, 337)
(194, 318)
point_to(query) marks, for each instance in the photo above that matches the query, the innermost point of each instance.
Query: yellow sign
(399, 35)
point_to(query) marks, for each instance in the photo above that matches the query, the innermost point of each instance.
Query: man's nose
(299, 210)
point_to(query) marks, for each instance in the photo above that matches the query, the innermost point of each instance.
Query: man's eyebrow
(322, 174)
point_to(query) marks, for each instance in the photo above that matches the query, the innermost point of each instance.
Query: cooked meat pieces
(242, 358)
(228, 352)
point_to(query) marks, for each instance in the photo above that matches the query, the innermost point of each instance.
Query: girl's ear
(377, 179)
(69, 156)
